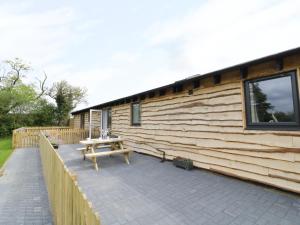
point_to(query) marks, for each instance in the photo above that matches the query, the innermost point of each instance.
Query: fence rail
(68, 204)
(29, 136)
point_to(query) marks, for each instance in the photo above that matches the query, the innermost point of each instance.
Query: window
(272, 102)
(109, 118)
(82, 116)
(106, 119)
(135, 114)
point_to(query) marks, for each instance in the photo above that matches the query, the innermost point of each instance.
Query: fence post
(68, 204)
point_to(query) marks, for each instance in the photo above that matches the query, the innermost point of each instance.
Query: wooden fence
(68, 204)
(29, 136)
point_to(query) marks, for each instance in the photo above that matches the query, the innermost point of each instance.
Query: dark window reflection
(109, 118)
(271, 100)
(136, 114)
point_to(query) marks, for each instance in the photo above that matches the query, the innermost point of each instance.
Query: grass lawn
(5, 149)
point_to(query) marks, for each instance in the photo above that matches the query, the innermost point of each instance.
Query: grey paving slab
(23, 195)
(150, 192)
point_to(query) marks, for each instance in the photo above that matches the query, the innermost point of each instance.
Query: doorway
(106, 122)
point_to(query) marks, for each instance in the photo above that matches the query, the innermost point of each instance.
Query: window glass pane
(136, 115)
(271, 100)
(82, 120)
(109, 118)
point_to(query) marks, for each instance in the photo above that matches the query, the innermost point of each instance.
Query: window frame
(283, 126)
(132, 123)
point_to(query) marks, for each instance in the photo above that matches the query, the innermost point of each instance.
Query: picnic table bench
(114, 144)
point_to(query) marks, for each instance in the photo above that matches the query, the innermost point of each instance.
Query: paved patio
(149, 192)
(23, 194)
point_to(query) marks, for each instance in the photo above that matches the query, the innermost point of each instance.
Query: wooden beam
(177, 88)
(217, 78)
(142, 97)
(152, 94)
(196, 83)
(134, 99)
(162, 92)
(243, 72)
(279, 64)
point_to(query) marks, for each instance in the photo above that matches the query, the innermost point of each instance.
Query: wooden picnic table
(114, 144)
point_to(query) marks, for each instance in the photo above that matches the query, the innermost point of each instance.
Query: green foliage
(263, 106)
(5, 149)
(23, 104)
(67, 97)
(17, 99)
(43, 114)
(285, 117)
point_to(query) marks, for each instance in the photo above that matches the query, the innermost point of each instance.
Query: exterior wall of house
(71, 123)
(76, 121)
(96, 120)
(208, 126)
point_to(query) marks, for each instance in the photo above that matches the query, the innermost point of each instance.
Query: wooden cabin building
(242, 121)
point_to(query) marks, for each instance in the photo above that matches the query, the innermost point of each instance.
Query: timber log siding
(208, 125)
(96, 121)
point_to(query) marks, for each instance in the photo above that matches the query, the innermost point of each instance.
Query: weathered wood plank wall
(208, 127)
(96, 120)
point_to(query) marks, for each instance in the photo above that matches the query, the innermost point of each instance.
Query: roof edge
(197, 76)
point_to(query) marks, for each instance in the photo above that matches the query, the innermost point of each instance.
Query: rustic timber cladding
(96, 120)
(208, 126)
(86, 120)
(76, 121)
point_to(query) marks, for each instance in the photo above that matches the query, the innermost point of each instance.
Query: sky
(117, 48)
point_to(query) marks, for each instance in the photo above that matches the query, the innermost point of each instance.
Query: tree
(15, 95)
(43, 113)
(17, 99)
(66, 97)
(17, 68)
(263, 106)
(25, 104)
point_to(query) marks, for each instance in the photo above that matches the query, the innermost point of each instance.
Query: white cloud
(43, 39)
(39, 37)
(223, 33)
(125, 57)
(94, 79)
(214, 35)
